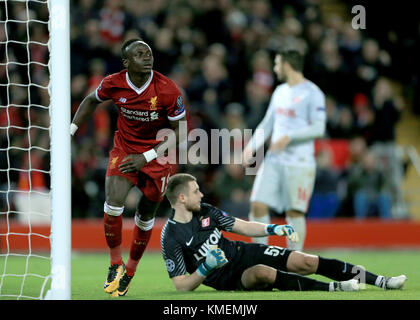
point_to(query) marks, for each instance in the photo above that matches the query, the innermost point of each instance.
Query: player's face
(139, 58)
(194, 197)
(278, 67)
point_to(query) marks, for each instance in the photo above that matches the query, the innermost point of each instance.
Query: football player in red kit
(147, 102)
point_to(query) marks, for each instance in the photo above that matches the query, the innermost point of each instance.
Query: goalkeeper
(192, 242)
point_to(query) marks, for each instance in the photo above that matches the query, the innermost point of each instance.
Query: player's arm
(134, 162)
(262, 132)
(187, 282)
(215, 258)
(313, 131)
(84, 112)
(258, 229)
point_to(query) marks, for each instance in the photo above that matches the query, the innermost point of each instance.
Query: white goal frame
(60, 109)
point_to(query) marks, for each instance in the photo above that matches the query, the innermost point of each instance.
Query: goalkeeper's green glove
(282, 230)
(215, 258)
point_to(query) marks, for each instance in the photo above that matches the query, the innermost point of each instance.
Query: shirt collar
(144, 87)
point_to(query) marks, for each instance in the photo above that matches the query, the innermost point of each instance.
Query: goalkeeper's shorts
(248, 255)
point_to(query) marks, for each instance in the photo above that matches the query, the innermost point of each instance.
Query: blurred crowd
(220, 53)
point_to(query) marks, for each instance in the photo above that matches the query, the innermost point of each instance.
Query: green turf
(152, 282)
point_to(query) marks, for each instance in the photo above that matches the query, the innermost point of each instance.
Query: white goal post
(35, 102)
(60, 150)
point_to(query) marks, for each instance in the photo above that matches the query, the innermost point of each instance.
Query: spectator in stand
(345, 128)
(350, 45)
(330, 69)
(213, 49)
(365, 117)
(370, 188)
(255, 101)
(325, 198)
(357, 149)
(372, 63)
(233, 189)
(387, 109)
(213, 76)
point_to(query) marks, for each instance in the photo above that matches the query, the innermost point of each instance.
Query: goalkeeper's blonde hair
(178, 184)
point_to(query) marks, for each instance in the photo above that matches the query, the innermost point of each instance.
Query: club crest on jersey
(298, 99)
(114, 162)
(153, 103)
(205, 222)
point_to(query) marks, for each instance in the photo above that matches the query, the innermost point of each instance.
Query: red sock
(138, 245)
(113, 236)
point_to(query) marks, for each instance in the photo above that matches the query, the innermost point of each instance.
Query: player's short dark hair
(178, 184)
(294, 58)
(126, 45)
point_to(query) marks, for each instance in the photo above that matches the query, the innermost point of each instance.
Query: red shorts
(152, 179)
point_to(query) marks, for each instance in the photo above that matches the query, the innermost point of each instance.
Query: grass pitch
(152, 282)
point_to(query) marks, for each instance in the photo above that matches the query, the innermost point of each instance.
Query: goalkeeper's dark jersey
(184, 245)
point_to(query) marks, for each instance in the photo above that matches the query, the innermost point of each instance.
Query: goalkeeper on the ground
(195, 252)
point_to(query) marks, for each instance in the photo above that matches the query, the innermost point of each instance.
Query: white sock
(264, 219)
(299, 224)
(379, 281)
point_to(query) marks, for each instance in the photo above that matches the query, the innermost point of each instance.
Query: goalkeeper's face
(193, 199)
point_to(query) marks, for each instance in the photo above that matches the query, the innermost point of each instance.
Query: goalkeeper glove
(215, 258)
(282, 230)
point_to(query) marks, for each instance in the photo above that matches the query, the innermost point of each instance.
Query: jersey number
(273, 251)
(164, 183)
(302, 195)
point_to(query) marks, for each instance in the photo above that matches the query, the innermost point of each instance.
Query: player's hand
(279, 144)
(215, 258)
(132, 163)
(246, 157)
(283, 230)
(288, 231)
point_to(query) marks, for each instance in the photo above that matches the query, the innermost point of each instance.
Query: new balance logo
(123, 100)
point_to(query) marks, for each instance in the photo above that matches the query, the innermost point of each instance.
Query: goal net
(34, 235)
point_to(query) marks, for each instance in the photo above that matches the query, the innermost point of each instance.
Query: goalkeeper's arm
(215, 258)
(257, 229)
(83, 113)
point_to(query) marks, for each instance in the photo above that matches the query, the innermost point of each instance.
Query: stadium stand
(219, 53)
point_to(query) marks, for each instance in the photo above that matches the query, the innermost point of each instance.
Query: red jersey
(142, 112)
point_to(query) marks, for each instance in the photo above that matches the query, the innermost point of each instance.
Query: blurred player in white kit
(294, 118)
